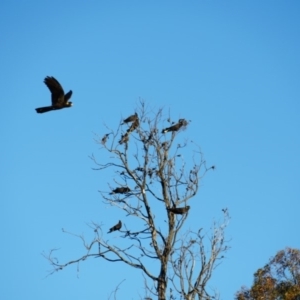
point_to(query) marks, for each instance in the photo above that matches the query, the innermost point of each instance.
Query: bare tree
(153, 184)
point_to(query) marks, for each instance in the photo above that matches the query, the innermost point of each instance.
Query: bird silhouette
(124, 138)
(134, 125)
(176, 127)
(58, 97)
(104, 139)
(115, 227)
(120, 190)
(178, 210)
(130, 119)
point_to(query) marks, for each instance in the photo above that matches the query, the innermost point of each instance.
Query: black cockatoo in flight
(58, 97)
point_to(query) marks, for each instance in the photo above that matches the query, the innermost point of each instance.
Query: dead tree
(155, 187)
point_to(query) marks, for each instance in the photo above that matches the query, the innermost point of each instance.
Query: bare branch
(151, 178)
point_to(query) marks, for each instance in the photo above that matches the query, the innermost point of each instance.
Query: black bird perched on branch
(58, 97)
(120, 190)
(176, 127)
(116, 227)
(134, 125)
(178, 210)
(130, 119)
(124, 138)
(104, 139)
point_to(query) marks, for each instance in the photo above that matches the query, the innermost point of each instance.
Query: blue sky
(231, 67)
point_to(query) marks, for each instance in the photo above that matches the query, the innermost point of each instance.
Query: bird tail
(41, 110)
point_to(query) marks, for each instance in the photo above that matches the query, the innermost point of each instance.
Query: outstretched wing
(57, 92)
(68, 96)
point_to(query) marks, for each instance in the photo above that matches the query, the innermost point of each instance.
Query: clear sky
(231, 67)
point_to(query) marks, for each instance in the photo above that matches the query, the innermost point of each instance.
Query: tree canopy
(277, 280)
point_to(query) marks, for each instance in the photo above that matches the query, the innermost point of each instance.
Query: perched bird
(178, 210)
(104, 139)
(130, 119)
(120, 190)
(134, 125)
(176, 127)
(58, 97)
(116, 227)
(124, 138)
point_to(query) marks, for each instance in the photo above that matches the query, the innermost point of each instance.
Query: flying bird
(115, 227)
(176, 127)
(58, 97)
(120, 190)
(178, 210)
(130, 119)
